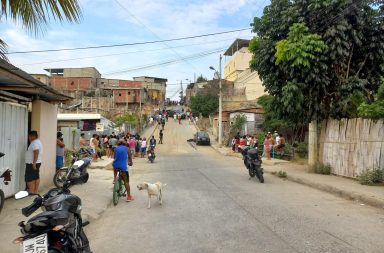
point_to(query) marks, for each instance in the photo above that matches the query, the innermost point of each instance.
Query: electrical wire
(150, 30)
(129, 44)
(168, 62)
(123, 53)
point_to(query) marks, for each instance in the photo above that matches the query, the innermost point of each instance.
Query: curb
(368, 200)
(371, 201)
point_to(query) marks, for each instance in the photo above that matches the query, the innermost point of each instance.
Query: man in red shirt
(132, 145)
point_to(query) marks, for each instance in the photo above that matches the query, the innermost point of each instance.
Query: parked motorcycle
(5, 175)
(252, 162)
(151, 154)
(59, 228)
(78, 169)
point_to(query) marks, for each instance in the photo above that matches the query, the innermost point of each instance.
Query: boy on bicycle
(121, 162)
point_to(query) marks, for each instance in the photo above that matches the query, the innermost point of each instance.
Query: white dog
(155, 189)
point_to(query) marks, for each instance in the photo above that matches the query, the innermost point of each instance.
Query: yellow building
(237, 69)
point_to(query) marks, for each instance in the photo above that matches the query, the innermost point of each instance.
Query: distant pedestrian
(233, 144)
(132, 146)
(59, 151)
(93, 143)
(174, 117)
(33, 158)
(161, 137)
(179, 118)
(83, 141)
(267, 147)
(143, 147)
(112, 144)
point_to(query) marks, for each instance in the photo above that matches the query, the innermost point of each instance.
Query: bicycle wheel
(116, 191)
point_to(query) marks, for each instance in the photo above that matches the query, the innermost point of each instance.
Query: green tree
(201, 78)
(204, 104)
(237, 123)
(35, 15)
(129, 118)
(374, 110)
(319, 58)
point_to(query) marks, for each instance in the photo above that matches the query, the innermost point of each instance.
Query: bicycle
(118, 188)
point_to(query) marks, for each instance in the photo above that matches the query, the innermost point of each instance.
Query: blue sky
(106, 22)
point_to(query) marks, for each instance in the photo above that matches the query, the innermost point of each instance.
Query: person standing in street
(132, 146)
(59, 151)
(122, 161)
(179, 117)
(161, 137)
(33, 162)
(93, 143)
(82, 141)
(143, 147)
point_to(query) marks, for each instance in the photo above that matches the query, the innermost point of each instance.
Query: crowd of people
(271, 142)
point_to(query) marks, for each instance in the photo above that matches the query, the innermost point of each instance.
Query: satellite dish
(216, 75)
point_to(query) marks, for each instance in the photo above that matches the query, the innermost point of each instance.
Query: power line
(128, 44)
(146, 27)
(168, 62)
(123, 53)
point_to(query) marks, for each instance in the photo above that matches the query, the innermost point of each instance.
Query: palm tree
(34, 15)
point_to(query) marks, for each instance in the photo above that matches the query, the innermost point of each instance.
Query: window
(119, 94)
(129, 93)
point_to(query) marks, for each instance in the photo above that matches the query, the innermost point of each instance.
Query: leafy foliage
(204, 104)
(371, 177)
(129, 118)
(237, 123)
(301, 46)
(319, 59)
(374, 110)
(201, 78)
(34, 15)
(320, 168)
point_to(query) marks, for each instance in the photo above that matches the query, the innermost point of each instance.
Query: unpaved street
(210, 205)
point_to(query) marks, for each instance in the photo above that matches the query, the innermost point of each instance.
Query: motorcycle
(78, 169)
(6, 177)
(252, 162)
(59, 228)
(151, 154)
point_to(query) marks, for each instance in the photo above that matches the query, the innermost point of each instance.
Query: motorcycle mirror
(21, 194)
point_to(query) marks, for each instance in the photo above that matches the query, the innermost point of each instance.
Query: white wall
(13, 142)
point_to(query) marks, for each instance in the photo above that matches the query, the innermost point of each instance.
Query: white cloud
(165, 18)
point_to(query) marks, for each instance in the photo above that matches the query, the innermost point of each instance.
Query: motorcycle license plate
(39, 244)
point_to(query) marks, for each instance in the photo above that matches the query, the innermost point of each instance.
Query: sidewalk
(96, 197)
(343, 187)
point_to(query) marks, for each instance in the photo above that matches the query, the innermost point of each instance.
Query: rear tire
(2, 199)
(60, 177)
(116, 192)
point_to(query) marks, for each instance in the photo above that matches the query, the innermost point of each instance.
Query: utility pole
(181, 91)
(220, 107)
(140, 112)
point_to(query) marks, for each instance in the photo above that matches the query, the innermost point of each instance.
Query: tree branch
(361, 66)
(349, 62)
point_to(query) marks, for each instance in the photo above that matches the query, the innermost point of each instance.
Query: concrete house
(26, 104)
(237, 69)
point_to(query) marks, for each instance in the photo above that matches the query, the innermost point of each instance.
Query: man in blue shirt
(121, 162)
